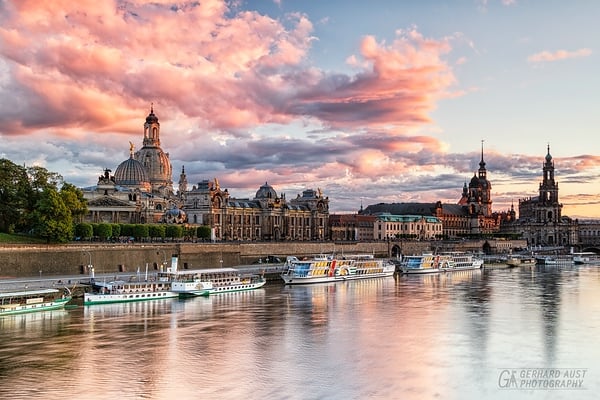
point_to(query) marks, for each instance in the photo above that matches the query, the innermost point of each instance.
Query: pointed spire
(482, 163)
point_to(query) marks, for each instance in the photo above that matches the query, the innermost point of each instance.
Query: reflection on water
(423, 336)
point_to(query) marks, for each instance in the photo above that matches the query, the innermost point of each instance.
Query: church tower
(478, 196)
(183, 183)
(155, 161)
(486, 187)
(549, 207)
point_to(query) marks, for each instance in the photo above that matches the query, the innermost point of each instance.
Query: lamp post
(90, 267)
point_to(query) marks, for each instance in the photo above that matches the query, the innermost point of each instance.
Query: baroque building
(354, 227)
(141, 191)
(540, 218)
(472, 215)
(268, 216)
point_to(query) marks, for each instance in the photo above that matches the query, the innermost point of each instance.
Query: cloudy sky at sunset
(372, 101)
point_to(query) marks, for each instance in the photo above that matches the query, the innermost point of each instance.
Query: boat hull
(242, 287)
(107, 298)
(429, 263)
(191, 288)
(420, 271)
(521, 262)
(297, 280)
(29, 308)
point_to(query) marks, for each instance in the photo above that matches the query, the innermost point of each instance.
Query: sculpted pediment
(108, 201)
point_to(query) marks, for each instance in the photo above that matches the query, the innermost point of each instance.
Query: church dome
(174, 215)
(131, 173)
(474, 182)
(266, 191)
(151, 118)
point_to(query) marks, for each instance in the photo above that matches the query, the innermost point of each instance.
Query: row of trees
(105, 231)
(38, 202)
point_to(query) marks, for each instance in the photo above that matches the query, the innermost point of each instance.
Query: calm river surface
(531, 333)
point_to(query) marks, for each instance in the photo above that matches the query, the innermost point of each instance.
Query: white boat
(459, 261)
(426, 263)
(520, 261)
(429, 263)
(553, 260)
(586, 258)
(331, 269)
(26, 301)
(191, 287)
(221, 280)
(166, 285)
(121, 291)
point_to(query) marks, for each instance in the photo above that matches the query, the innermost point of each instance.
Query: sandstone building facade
(141, 191)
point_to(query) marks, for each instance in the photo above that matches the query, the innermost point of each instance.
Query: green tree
(14, 191)
(189, 231)
(40, 178)
(84, 230)
(127, 230)
(73, 198)
(103, 230)
(156, 231)
(51, 218)
(174, 231)
(140, 231)
(203, 232)
(116, 230)
(41, 182)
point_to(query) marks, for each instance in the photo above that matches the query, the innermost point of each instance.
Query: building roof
(131, 173)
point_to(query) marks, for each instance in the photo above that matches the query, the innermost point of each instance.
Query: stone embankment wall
(73, 259)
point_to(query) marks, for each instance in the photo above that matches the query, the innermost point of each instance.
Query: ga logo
(507, 379)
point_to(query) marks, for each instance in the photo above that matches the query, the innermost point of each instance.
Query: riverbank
(32, 260)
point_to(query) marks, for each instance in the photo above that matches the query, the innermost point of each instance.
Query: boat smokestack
(174, 259)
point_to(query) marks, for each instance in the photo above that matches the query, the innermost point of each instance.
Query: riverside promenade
(78, 283)
(74, 259)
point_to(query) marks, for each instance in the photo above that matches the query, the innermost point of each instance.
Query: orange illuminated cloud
(547, 56)
(80, 61)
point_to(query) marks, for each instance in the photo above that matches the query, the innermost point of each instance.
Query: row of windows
(276, 220)
(413, 227)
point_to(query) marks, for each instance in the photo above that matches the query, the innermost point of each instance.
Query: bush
(84, 230)
(203, 232)
(174, 231)
(141, 231)
(103, 231)
(157, 231)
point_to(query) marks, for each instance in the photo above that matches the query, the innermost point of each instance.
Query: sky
(378, 101)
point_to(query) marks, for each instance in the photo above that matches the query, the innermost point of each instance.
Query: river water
(531, 333)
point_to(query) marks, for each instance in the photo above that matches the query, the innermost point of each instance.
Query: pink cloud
(83, 71)
(547, 56)
(227, 72)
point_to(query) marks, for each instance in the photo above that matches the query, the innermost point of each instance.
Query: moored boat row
(586, 258)
(520, 261)
(429, 263)
(25, 301)
(332, 268)
(175, 283)
(172, 283)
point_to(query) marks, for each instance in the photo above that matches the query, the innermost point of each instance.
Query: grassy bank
(18, 239)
